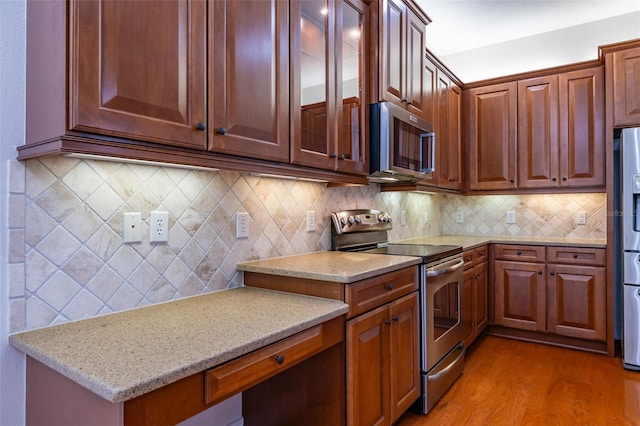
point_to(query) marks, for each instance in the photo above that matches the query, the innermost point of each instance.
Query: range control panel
(348, 221)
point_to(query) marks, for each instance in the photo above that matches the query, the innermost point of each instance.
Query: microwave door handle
(432, 157)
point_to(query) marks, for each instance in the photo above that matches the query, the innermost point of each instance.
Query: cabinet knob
(222, 130)
(389, 286)
(540, 273)
(554, 179)
(387, 321)
(575, 255)
(564, 178)
(552, 273)
(396, 318)
(518, 252)
(342, 157)
(201, 127)
(512, 180)
(279, 359)
(333, 155)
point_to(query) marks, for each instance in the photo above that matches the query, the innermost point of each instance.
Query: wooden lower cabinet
(520, 295)
(475, 291)
(576, 301)
(560, 297)
(383, 369)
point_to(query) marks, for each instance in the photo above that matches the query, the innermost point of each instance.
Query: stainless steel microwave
(402, 145)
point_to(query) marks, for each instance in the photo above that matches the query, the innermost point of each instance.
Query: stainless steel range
(444, 312)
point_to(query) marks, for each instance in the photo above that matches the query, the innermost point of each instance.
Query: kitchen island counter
(123, 355)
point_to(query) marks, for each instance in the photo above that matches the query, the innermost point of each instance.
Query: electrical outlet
(242, 225)
(403, 218)
(459, 217)
(311, 221)
(581, 218)
(511, 217)
(426, 218)
(132, 228)
(159, 227)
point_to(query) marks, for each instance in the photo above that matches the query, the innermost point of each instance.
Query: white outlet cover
(242, 225)
(581, 218)
(459, 217)
(159, 227)
(511, 217)
(311, 221)
(403, 218)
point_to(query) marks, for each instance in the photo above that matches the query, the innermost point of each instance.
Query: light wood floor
(508, 382)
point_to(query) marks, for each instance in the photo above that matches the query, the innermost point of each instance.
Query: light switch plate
(511, 217)
(403, 218)
(459, 217)
(581, 218)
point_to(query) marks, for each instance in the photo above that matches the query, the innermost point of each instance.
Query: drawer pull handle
(389, 286)
(387, 321)
(518, 253)
(279, 359)
(575, 255)
(396, 318)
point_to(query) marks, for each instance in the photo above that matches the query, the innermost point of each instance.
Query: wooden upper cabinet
(249, 78)
(582, 135)
(137, 69)
(402, 57)
(450, 138)
(538, 132)
(491, 131)
(626, 87)
(329, 84)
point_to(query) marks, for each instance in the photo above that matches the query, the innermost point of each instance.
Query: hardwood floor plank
(511, 382)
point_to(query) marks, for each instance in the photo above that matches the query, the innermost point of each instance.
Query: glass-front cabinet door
(328, 84)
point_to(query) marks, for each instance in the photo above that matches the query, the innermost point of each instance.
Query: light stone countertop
(334, 266)
(472, 241)
(123, 355)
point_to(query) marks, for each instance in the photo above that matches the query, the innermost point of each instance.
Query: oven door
(445, 322)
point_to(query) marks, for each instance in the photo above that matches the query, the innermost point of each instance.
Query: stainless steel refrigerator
(630, 180)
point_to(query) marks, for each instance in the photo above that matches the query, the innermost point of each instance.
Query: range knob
(358, 220)
(343, 220)
(351, 220)
(380, 218)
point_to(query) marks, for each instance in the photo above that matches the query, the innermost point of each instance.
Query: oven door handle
(445, 268)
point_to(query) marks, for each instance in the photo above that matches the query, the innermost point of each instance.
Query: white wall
(12, 104)
(574, 44)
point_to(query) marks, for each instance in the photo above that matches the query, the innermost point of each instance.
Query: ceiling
(462, 25)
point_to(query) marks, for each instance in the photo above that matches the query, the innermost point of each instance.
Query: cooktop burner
(428, 253)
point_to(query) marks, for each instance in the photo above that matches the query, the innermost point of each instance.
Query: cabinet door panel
(249, 103)
(480, 298)
(138, 70)
(577, 301)
(405, 354)
(368, 368)
(626, 77)
(492, 136)
(393, 51)
(582, 159)
(538, 132)
(415, 64)
(520, 295)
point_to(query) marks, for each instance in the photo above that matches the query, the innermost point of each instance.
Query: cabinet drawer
(248, 370)
(368, 294)
(576, 256)
(474, 256)
(520, 253)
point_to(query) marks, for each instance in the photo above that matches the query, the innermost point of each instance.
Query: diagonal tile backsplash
(68, 261)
